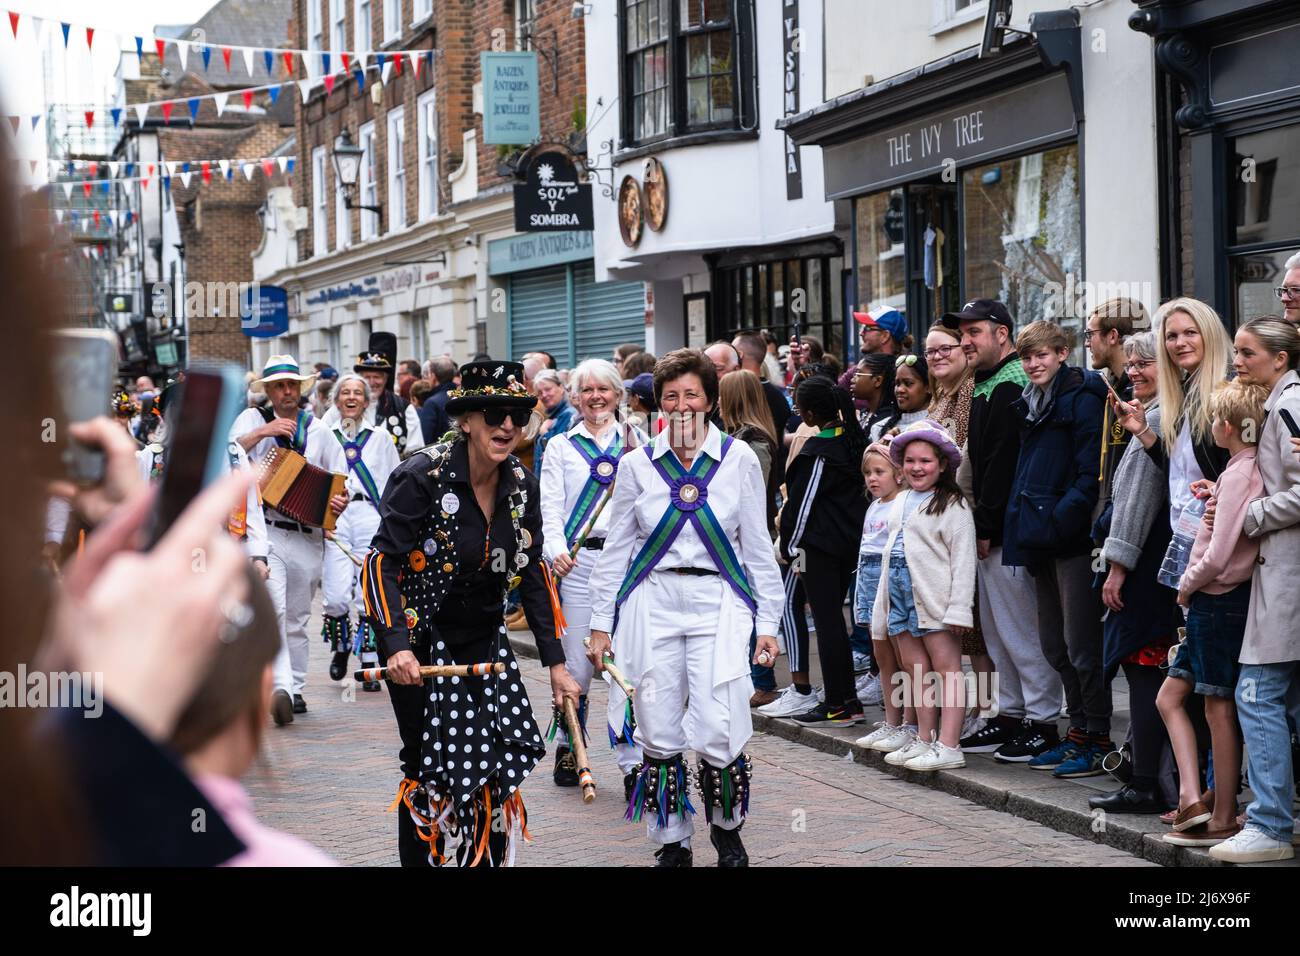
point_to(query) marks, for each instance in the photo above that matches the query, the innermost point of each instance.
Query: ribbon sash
(689, 506)
(596, 483)
(299, 441)
(352, 452)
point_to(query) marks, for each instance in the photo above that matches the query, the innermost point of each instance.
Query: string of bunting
(184, 170)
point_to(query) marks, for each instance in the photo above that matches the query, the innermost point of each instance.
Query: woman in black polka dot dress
(460, 525)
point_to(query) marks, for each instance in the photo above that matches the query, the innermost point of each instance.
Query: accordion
(297, 488)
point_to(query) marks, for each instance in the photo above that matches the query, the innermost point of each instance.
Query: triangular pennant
(288, 164)
(362, 56)
(248, 99)
(139, 48)
(167, 111)
(66, 27)
(116, 113)
(141, 111)
(167, 185)
(185, 178)
(288, 63)
(194, 104)
(283, 161)
(230, 174)
(224, 165)
(105, 186)
(428, 59)
(85, 253)
(274, 93)
(144, 183)
(14, 121)
(160, 45)
(90, 37)
(324, 62)
(206, 168)
(347, 62)
(361, 81)
(329, 83)
(113, 168)
(36, 120)
(67, 190)
(268, 168)
(112, 217)
(207, 57)
(96, 215)
(381, 59)
(130, 217)
(90, 120)
(92, 168)
(225, 55)
(33, 163)
(185, 167)
(248, 60)
(149, 170)
(86, 188)
(85, 225)
(129, 170)
(13, 23)
(415, 64)
(58, 215)
(183, 52)
(219, 101)
(385, 72)
(268, 57)
(248, 171)
(397, 63)
(304, 87)
(170, 166)
(94, 252)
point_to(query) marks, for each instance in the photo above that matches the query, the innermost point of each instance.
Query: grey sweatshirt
(1139, 490)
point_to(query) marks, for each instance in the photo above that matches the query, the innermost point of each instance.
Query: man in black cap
(1029, 689)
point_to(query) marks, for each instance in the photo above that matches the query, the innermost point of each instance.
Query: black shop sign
(552, 199)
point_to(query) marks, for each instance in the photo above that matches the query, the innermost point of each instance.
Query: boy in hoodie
(1048, 527)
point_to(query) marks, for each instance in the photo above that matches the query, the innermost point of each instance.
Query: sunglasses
(494, 417)
(908, 360)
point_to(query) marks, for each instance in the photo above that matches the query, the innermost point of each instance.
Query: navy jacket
(1055, 488)
(434, 422)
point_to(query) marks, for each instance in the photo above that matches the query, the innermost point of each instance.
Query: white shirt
(564, 476)
(735, 496)
(875, 527)
(414, 436)
(379, 456)
(1183, 470)
(322, 449)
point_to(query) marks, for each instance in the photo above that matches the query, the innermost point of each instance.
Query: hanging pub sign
(552, 199)
(510, 98)
(790, 32)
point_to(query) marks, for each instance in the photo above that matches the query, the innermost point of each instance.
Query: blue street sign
(268, 315)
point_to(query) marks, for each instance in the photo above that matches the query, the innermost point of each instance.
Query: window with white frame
(427, 131)
(423, 10)
(392, 19)
(953, 13)
(368, 186)
(342, 218)
(318, 207)
(315, 30)
(525, 23)
(396, 170)
(338, 25)
(361, 39)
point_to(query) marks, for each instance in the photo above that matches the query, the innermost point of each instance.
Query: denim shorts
(902, 605)
(867, 588)
(1216, 627)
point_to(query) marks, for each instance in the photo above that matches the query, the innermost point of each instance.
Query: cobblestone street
(338, 764)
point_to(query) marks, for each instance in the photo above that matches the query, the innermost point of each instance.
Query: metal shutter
(539, 314)
(607, 314)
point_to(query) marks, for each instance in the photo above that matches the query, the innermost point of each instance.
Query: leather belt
(593, 544)
(691, 572)
(359, 497)
(293, 526)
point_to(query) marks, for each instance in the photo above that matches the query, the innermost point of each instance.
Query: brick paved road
(330, 775)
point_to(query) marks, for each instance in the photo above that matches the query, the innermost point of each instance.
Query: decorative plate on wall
(630, 219)
(655, 194)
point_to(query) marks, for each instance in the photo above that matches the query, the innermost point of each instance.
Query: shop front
(963, 180)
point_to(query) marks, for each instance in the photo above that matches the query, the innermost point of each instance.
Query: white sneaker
(869, 691)
(901, 738)
(937, 757)
(1252, 845)
(896, 758)
(861, 662)
(789, 703)
(882, 732)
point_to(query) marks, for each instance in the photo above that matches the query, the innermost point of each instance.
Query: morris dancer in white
(296, 550)
(371, 457)
(577, 474)
(687, 570)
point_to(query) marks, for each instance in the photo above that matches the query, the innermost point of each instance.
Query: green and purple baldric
(604, 467)
(352, 452)
(689, 496)
(299, 441)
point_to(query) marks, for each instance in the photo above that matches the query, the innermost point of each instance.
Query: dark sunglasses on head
(494, 417)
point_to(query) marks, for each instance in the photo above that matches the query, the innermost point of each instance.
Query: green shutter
(539, 317)
(607, 313)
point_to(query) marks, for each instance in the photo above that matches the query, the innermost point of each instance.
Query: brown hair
(232, 689)
(637, 364)
(420, 390)
(742, 404)
(1041, 335)
(681, 362)
(1121, 315)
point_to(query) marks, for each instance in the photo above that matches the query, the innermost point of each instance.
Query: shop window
(775, 296)
(1264, 223)
(882, 276)
(1021, 235)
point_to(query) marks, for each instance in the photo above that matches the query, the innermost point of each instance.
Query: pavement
(330, 775)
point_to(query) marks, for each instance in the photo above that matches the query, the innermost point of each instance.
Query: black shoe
(566, 768)
(1128, 800)
(731, 852)
(992, 735)
(844, 715)
(1034, 738)
(370, 685)
(281, 708)
(672, 854)
(339, 666)
(629, 784)
(299, 705)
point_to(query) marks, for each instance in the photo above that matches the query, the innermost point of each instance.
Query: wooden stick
(618, 677)
(437, 670)
(329, 536)
(585, 779)
(591, 523)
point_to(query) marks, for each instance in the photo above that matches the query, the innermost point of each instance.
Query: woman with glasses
(1289, 291)
(952, 381)
(460, 525)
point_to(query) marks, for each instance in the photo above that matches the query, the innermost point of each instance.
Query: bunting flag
(361, 82)
(67, 190)
(304, 86)
(167, 111)
(66, 27)
(268, 168)
(248, 99)
(248, 59)
(96, 214)
(13, 23)
(159, 45)
(185, 178)
(274, 93)
(182, 51)
(58, 215)
(288, 64)
(139, 48)
(219, 101)
(269, 57)
(36, 119)
(194, 108)
(206, 167)
(90, 119)
(397, 64)
(329, 83)
(347, 68)
(385, 71)
(113, 167)
(224, 166)
(225, 55)
(415, 65)
(324, 62)
(141, 111)
(90, 37)
(116, 113)
(248, 171)
(284, 163)
(86, 187)
(207, 56)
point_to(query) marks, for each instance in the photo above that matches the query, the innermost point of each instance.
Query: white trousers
(295, 563)
(684, 644)
(1028, 686)
(341, 578)
(576, 602)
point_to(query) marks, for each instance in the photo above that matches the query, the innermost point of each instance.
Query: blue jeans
(764, 677)
(1266, 694)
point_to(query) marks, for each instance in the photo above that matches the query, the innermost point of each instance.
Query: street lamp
(347, 165)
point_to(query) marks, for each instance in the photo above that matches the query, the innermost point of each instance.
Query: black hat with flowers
(489, 384)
